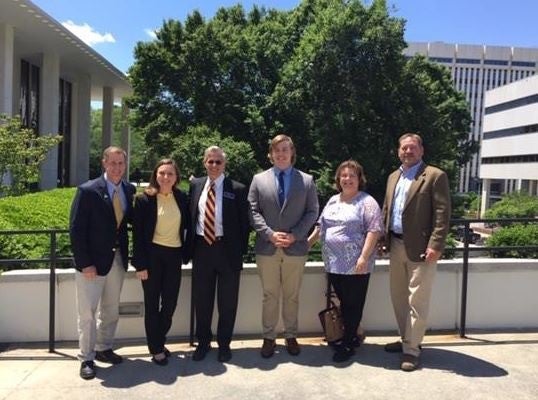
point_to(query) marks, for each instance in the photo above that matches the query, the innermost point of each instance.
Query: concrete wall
(502, 294)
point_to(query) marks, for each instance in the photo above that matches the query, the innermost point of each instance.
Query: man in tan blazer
(416, 214)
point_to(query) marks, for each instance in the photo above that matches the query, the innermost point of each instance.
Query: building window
(29, 96)
(523, 64)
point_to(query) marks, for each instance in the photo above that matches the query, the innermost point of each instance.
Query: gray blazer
(299, 213)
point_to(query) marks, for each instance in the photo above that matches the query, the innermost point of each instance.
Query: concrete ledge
(501, 295)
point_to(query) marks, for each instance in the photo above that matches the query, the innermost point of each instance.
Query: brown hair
(114, 149)
(356, 167)
(410, 135)
(276, 141)
(153, 186)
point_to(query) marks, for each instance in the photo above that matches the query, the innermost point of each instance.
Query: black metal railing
(54, 260)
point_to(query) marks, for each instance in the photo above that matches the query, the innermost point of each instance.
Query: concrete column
(484, 201)
(48, 116)
(519, 184)
(6, 69)
(125, 135)
(81, 130)
(108, 106)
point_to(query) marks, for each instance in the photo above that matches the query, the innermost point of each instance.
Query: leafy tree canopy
(330, 73)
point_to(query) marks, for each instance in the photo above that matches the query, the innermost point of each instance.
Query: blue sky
(113, 27)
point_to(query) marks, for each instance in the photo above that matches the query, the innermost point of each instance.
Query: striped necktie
(118, 209)
(209, 219)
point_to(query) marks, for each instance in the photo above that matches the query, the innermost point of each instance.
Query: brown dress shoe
(268, 348)
(409, 363)
(292, 346)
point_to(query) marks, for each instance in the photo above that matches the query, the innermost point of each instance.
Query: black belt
(397, 235)
(217, 238)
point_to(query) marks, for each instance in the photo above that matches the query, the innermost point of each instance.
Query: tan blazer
(426, 214)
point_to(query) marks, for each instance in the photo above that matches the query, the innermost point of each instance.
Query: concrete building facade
(474, 70)
(509, 153)
(49, 77)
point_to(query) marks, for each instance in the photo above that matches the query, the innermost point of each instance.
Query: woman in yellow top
(160, 234)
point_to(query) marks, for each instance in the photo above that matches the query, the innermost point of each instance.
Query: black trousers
(161, 291)
(351, 291)
(212, 272)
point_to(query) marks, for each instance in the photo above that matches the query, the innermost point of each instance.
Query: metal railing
(54, 259)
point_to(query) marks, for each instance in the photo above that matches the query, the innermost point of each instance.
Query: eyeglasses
(216, 162)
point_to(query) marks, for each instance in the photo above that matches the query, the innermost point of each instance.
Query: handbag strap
(329, 293)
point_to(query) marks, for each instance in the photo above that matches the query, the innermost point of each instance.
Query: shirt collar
(286, 171)
(411, 172)
(217, 181)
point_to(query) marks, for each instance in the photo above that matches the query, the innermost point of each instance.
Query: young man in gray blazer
(284, 206)
(416, 213)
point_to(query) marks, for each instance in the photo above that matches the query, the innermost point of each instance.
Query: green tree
(331, 73)
(189, 150)
(140, 156)
(22, 153)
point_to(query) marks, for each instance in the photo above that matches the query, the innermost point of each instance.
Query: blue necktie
(281, 196)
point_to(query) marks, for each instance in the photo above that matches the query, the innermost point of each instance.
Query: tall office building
(475, 69)
(509, 159)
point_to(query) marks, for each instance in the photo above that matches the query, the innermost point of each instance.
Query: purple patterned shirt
(343, 229)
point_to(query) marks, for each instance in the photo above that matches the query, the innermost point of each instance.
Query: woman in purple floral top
(349, 227)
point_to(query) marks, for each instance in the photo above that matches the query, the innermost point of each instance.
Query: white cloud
(152, 33)
(87, 34)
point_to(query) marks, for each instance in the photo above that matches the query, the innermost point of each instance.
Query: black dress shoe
(201, 351)
(108, 356)
(87, 370)
(160, 361)
(225, 354)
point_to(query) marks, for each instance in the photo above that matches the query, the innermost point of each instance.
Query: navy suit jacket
(235, 220)
(92, 226)
(144, 222)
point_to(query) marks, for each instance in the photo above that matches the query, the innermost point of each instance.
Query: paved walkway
(483, 366)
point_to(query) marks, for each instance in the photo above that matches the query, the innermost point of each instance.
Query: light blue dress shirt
(400, 195)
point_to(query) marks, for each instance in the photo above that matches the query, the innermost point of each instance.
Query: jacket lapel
(416, 184)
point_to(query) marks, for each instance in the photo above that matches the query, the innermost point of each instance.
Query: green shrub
(514, 205)
(515, 235)
(43, 210)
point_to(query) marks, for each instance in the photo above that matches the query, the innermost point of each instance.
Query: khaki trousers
(98, 302)
(410, 288)
(280, 273)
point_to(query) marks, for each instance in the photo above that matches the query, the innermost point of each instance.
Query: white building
(476, 69)
(49, 77)
(509, 156)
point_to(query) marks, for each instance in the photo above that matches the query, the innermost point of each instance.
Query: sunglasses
(216, 162)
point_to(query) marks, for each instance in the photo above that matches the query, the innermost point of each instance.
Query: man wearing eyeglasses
(219, 210)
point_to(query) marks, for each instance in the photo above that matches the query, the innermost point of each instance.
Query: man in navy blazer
(284, 207)
(217, 263)
(98, 229)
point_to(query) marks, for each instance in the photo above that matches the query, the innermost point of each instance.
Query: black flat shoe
(162, 362)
